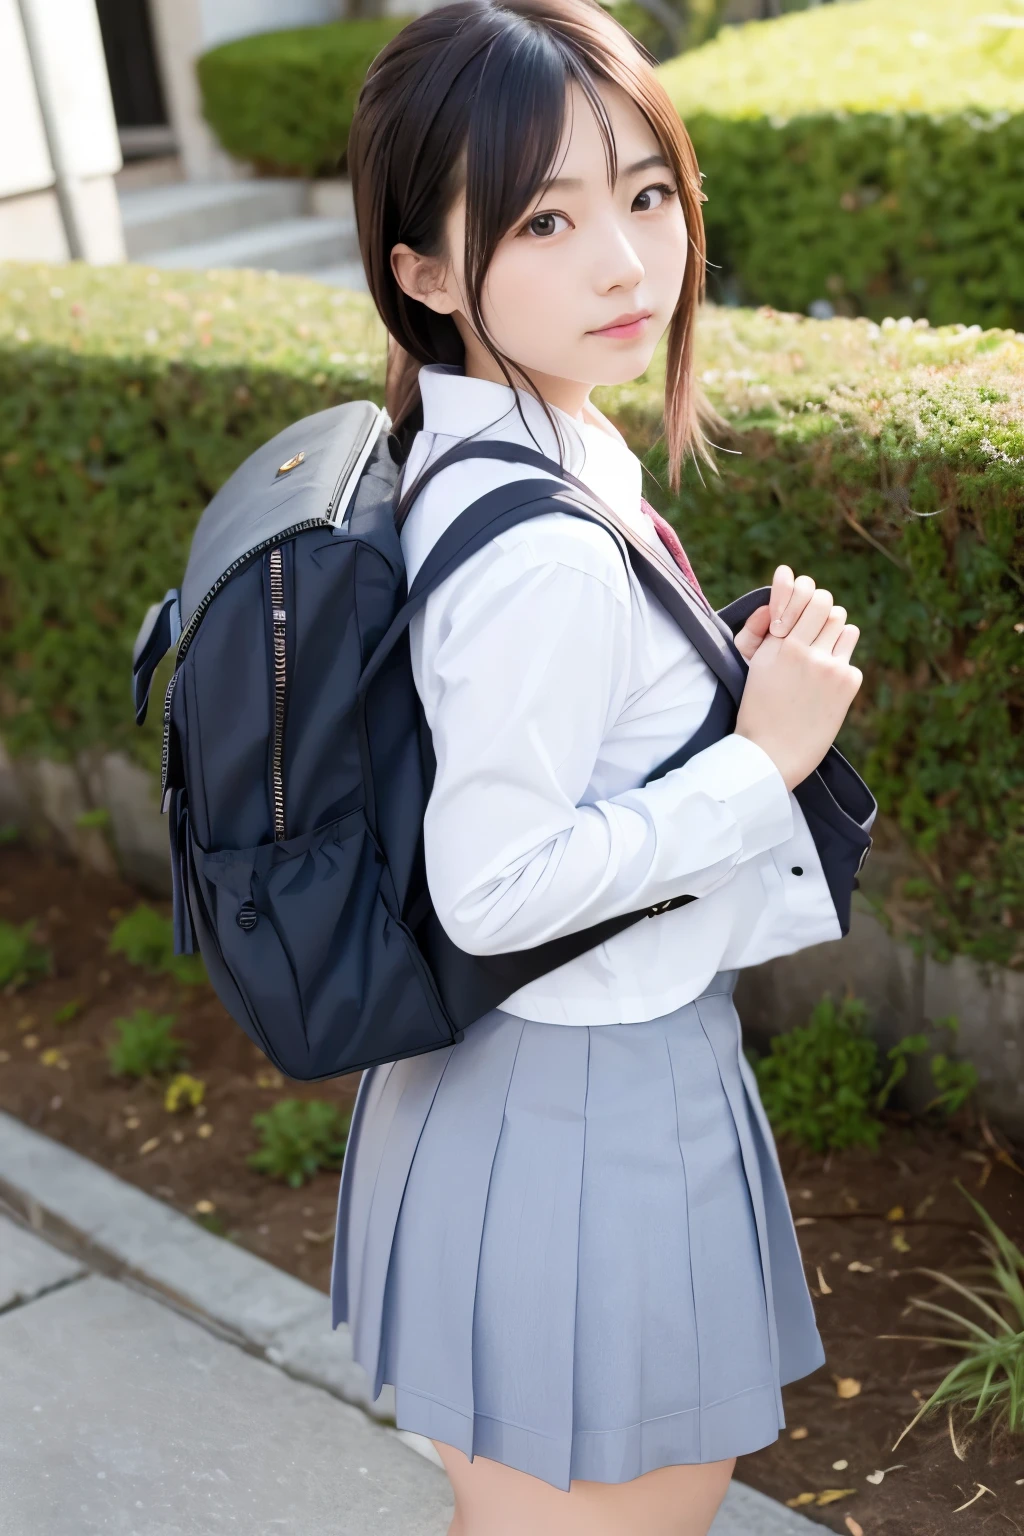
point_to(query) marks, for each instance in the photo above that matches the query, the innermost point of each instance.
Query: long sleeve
(529, 665)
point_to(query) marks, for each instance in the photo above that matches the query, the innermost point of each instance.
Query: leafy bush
(816, 1081)
(145, 1046)
(298, 1137)
(147, 939)
(867, 154)
(21, 957)
(886, 460)
(820, 1083)
(285, 100)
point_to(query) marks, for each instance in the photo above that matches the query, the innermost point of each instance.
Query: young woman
(565, 1240)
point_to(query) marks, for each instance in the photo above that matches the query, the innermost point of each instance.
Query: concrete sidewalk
(159, 1381)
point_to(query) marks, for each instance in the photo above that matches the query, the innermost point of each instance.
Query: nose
(619, 265)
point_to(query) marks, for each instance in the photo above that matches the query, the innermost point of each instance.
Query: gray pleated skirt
(569, 1248)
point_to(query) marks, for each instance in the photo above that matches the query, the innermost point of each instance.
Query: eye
(661, 193)
(545, 219)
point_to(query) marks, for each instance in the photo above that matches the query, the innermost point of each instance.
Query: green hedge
(887, 461)
(868, 153)
(285, 100)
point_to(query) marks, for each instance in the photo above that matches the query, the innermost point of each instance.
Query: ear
(422, 278)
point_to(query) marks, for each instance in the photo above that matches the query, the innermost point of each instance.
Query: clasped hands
(801, 681)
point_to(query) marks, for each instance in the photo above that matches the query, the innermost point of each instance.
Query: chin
(624, 369)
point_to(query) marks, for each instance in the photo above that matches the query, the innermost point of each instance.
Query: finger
(843, 648)
(803, 590)
(753, 632)
(830, 631)
(782, 588)
(808, 626)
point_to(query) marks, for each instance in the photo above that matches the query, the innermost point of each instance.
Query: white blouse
(553, 684)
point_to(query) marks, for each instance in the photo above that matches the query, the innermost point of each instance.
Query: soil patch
(866, 1220)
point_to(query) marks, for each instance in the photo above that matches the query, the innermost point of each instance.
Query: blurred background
(859, 156)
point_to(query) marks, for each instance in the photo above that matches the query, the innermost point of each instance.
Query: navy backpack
(297, 763)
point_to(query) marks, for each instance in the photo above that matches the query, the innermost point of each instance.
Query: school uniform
(565, 1239)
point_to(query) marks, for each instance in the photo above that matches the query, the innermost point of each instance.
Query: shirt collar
(456, 406)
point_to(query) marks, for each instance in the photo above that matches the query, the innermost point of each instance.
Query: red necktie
(670, 539)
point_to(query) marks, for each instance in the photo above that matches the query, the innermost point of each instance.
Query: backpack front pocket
(327, 974)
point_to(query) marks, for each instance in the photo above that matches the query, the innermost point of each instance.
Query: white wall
(24, 157)
(56, 125)
(68, 34)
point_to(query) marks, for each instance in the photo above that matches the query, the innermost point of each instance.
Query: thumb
(753, 632)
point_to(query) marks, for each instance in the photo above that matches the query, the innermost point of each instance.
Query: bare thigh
(494, 1500)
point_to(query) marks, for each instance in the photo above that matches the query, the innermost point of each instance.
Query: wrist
(782, 760)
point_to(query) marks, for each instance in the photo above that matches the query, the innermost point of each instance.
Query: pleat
(430, 1300)
(370, 1084)
(389, 1134)
(800, 1346)
(525, 1300)
(638, 1350)
(721, 1026)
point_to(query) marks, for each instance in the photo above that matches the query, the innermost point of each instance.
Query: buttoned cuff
(741, 775)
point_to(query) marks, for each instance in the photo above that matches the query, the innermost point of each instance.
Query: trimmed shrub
(869, 154)
(888, 461)
(285, 100)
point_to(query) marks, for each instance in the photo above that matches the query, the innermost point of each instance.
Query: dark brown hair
(473, 94)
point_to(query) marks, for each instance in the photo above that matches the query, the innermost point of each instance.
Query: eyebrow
(631, 170)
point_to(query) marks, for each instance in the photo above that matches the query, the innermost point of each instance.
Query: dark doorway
(139, 107)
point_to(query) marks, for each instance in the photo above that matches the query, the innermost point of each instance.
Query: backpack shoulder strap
(710, 636)
(493, 513)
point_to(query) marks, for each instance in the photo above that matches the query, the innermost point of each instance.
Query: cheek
(669, 251)
(523, 294)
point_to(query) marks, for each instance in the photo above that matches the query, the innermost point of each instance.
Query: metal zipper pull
(280, 685)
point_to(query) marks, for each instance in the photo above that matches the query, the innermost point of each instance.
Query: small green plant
(21, 958)
(298, 1137)
(68, 1011)
(145, 1046)
(820, 1083)
(991, 1373)
(99, 816)
(816, 1081)
(955, 1080)
(147, 939)
(184, 1092)
(213, 1221)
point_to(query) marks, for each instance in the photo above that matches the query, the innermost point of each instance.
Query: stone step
(158, 218)
(287, 245)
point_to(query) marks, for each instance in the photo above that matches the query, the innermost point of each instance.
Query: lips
(624, 325)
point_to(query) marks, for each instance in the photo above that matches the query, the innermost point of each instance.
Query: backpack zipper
(189, 632)
(276, 559)
(165, 743)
